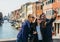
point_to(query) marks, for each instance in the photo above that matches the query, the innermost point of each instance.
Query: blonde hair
(29, 15)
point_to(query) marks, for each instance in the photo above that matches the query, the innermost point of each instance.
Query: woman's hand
(55, 14)
(34, 32)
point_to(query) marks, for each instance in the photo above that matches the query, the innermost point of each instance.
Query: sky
(6, 6)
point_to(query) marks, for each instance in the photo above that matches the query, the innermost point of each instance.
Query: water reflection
(7, 31)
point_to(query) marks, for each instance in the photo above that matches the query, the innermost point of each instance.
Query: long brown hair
(43, 23)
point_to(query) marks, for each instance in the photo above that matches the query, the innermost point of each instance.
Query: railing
(56, 28)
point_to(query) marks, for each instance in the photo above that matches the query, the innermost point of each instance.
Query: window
(29, 9)
(58, 11)
(41, 7)
(50, 1)
(37, 7)
(49, 12)
(22, 16)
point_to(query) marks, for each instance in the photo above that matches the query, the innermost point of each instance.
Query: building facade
(34, 8)
(49, 6)
(15, 15)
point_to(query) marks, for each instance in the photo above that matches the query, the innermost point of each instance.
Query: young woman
(37, 31)
(24, 32)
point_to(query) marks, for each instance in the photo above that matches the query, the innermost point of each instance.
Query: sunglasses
(32, 17)
(38, 19)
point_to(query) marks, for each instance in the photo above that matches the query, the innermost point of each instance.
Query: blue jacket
(23, 34)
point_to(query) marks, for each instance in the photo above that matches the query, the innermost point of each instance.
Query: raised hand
(54, 14)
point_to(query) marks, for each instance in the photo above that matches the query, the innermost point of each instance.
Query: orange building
(56, 6)
(38, 8)
(49, 6)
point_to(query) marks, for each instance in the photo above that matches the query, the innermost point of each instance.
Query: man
(47, 27)
(24, 32)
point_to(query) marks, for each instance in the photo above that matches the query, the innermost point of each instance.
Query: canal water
(7, 31)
